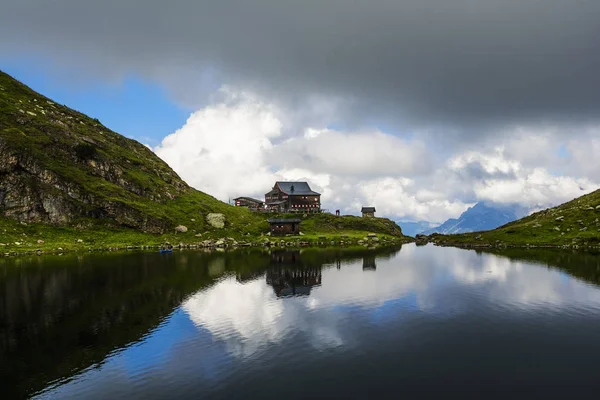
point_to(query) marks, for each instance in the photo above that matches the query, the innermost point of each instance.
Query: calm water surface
(409, 322)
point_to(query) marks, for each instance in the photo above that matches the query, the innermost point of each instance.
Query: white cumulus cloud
(241, 144)
(223, 149)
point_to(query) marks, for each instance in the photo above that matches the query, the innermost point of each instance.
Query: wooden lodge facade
(252, 204)
(368, 212)
(291, 197)
(284, 226)
(285, 197)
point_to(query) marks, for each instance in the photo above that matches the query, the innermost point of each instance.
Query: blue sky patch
(133, 106)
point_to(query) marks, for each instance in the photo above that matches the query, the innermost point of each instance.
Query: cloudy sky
(418, 107)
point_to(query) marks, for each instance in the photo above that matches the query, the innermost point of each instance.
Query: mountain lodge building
(290, 197)
(252, 204)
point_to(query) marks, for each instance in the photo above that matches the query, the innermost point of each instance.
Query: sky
(420, 108)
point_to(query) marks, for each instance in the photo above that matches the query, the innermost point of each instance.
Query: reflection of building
(289, 278)
(285, 256)
(293, 282)
(369, 263)
(247, 276)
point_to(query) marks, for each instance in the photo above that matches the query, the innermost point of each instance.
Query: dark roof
(300, 188)
(284, 220)
(249, 199)
(368, 209)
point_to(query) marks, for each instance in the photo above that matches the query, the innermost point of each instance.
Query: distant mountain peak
(411, 228)
(482, 216)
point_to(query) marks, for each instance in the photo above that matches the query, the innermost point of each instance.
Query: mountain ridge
(480, 217)
(572, 224)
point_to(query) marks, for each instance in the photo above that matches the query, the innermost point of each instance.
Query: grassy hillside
(573, 224)
(16, 237)
(68, 181)
(62, 167)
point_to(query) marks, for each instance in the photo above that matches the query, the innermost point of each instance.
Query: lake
(331, 323)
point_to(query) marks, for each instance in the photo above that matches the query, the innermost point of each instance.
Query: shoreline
(343, 241)
(514, 246)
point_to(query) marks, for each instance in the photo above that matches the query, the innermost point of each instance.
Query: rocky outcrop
(31, 193)
(181, 229)
(216, 220)
(421, 240)
(58, 165)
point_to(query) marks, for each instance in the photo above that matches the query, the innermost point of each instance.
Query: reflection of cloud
(503, 280)
(248, 310)
(441, 281)
(248, 317)
(349, 311)
(492, 269)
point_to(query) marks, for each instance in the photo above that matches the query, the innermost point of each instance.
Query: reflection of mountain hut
(291, 281)
(247, 276)
(369, 263)
(285, 256)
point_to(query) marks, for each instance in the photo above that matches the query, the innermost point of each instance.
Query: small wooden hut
(368, 212)
(289, 226)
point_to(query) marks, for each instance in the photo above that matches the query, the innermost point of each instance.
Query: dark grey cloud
(476, 171)
(423, 62)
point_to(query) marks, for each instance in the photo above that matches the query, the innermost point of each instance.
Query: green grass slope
(68, 181)
(573, 224)
(17, 237)
(62, 167)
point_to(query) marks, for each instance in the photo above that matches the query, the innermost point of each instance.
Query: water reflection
(288, 277)
(369, 263)
(195, 324)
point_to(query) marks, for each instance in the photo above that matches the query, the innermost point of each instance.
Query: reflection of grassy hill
(71, 312)
(574, 223)
(583, 265)
(61, 315)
